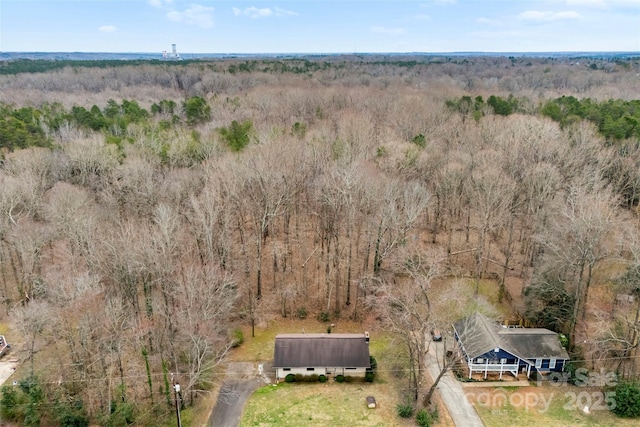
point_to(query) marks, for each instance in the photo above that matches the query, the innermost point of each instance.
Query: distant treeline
(42, 65)
(296, 66)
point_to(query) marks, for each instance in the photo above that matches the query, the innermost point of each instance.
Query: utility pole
(176, 389)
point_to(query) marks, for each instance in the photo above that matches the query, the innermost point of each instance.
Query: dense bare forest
(150, 210)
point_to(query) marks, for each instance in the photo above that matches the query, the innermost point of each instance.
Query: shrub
(10, 403)
(238, 338)
(340, 378)
(290, 378)
(323, 316)
(424, 418)
(299, 129)
(322, 378)
(301, 378)
(302, 313)
(627, 400)
(369, 376)
(71, 414)
(373, 362)
(420, 140)
(405, 410)
(122, 413)
(564, 341)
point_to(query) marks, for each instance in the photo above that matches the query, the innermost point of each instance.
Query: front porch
(494, 370)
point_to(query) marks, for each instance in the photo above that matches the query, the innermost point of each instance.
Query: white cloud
(160, 3)
(495, 34)
(430, 3)
(198, 15)
(391, 31)
(603, 4)
(107, 29)
(591, 3)
(283, 12)
(488, 21)
(546, 16)
(254, 12)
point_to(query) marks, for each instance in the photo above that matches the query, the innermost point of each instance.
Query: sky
(310, 26)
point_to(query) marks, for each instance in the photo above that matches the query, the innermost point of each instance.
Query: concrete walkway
(451, 391)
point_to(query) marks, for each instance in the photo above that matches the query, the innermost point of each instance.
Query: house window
(311, 369)
(350, 369)
(286, 369)
(503, 361)
(552, 364)
(479, 360)
(538, 363)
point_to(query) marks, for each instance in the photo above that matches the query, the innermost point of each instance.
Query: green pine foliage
(627, 400)
(237, 135)
(24, 403)
(196, 110)
(476, 107)
(21, 128)
(616, 119)
(28, 127)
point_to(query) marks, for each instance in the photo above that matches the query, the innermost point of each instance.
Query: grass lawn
(329, 404)
(542, 406)
(323, 404)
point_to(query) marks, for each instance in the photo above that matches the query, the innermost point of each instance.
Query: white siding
(281, 373)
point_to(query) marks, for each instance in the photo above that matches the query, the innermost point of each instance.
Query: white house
(321, 354)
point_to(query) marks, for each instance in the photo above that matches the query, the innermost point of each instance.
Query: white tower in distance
(174, 53)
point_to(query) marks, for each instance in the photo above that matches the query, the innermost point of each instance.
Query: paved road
(242, 380)
(231, 400)
(8, 361)
(7, 367)
(462, 412)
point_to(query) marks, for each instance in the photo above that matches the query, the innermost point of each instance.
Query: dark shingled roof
(479, 335)
(321, 350)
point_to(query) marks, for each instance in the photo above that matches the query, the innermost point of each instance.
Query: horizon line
(327, 53)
